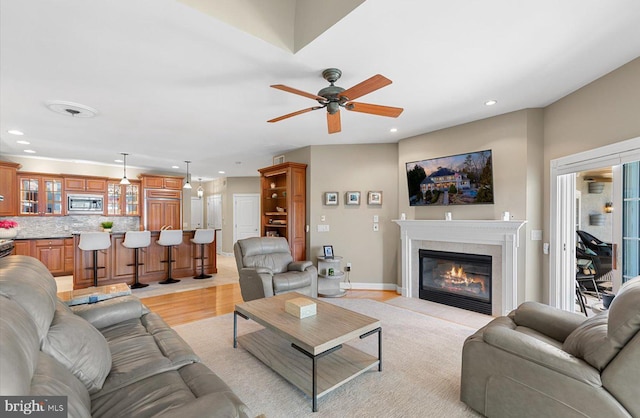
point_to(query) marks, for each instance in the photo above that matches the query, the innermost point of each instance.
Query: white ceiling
(172, 83)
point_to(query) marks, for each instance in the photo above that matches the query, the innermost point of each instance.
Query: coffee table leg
(314, 359)
(235, 327)
(379, 331)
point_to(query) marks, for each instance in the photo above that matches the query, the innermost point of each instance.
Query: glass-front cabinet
(123, 199)
(40, 195)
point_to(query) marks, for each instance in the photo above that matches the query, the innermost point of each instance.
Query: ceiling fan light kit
(334, 97)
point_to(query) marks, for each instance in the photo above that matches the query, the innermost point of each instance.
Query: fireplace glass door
(456, 279)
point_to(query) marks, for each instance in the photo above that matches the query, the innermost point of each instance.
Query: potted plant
(8, 229)
(106, 226)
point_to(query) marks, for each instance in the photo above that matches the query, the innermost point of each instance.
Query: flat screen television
(462, 179)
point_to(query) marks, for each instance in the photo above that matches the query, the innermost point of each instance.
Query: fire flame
(457, 276)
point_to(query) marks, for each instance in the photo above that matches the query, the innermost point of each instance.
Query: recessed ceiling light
(23, 142)
(490, 102)
(174, 166)
(393, 130)
(15, 132)
(118, 161)
(29, 151)
(220, 172)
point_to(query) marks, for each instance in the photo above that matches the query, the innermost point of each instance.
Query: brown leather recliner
(266, 268)
(541, 361)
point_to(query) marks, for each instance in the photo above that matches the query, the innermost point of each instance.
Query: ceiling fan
(334, 97)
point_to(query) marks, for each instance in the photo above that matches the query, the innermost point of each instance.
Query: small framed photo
(328, 251)
(331, 198)
(278, 160)
(353, 198)
(374, 198)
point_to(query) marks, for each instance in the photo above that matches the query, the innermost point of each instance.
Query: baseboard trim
(369, 286)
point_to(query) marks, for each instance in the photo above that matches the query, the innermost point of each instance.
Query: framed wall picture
(353, 198)
(374, 198)
(331, 198)
(278, 160)
(328, 251)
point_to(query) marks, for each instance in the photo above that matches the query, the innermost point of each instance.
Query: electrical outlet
(347, 268)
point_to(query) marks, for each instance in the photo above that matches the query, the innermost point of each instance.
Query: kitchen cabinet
(123, 199)
(51, 253)
(8, 188)
(85, 184)
(40, 195)
(283, 205)
(161, 182)
(55, 253)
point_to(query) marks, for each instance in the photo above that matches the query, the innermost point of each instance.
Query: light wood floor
(182, 307)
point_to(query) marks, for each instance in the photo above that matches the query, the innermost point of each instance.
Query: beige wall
(515, 140)
(363, 168)
(601, 113)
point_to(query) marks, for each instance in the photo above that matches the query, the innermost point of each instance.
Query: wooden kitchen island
(117, 261)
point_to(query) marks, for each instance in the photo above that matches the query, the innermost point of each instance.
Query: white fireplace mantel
(504, 234)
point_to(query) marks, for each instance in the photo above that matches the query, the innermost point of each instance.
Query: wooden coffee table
(309, 352)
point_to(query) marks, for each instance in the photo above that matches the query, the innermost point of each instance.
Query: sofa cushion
(590, 342)
(273, 253)
(624, 313)
(27, 281)
(20, 348)
(52, 379)
(78, 346)
(290, 281)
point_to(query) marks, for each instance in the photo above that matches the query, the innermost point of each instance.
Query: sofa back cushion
(270, 252)
(78, 346)
(20, 348)
(600, 338)
(624, 313)
(28, 282)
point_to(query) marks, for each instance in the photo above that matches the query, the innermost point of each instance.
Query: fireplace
(456, 279)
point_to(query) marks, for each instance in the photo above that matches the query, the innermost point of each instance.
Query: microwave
(78, 204)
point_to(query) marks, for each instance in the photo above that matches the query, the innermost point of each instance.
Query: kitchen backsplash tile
(57, 226)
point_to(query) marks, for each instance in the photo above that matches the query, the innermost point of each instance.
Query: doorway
(214, 218)
(197, 216)
(562, 214)
(246, 216)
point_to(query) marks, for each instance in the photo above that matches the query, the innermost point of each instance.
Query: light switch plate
(376, 227)
(375, 218)
(536, 235)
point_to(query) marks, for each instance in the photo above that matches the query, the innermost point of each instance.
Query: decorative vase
(106, 229)
(8, 233)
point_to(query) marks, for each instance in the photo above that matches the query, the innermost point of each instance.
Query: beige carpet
(420, 377)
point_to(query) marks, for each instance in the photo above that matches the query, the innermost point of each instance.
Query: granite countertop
(47, 236)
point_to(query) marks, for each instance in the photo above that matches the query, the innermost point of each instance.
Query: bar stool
(137, 240)
(94, 241)
(169, 238)
(203, 237)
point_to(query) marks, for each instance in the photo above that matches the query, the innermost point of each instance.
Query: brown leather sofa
(544, 362)
(113, 358)
(266, 268)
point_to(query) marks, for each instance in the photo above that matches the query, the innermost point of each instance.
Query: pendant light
(187, 184)
(125, 180)
(200, 190)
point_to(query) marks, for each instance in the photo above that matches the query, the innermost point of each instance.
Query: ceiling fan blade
(367, 86)
(392, 112)
(333, 122)
(298, 92)
(299, 112)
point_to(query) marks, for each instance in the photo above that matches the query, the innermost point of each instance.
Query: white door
(197, 217)
(214, 218)
(246, 216)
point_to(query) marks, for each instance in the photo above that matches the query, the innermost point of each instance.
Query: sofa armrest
(261, 270)
(539, 352)
(255, 283)
(553, 322)
(299, 265)
(111, 311)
